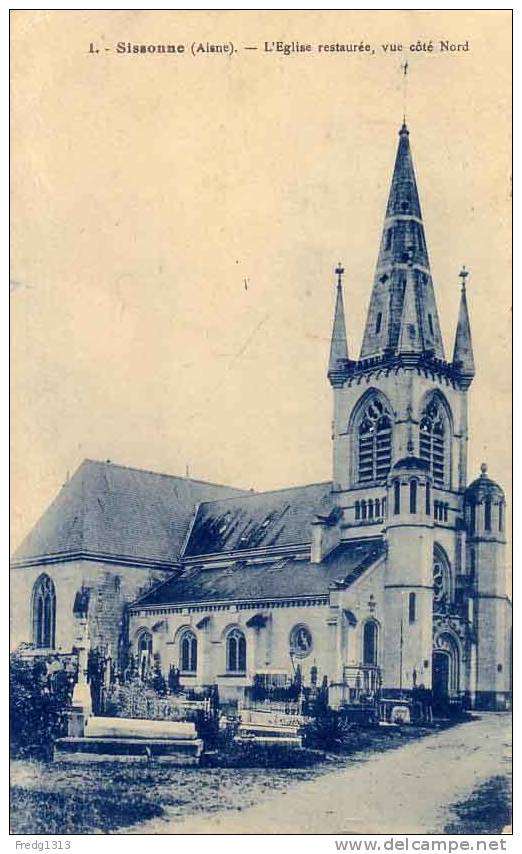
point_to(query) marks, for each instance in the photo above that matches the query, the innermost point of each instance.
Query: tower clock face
(439, 582)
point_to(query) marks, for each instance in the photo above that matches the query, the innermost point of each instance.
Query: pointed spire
(403, 245)
(463, 360)
(339, 343)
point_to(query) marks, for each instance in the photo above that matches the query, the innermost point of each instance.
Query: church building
(391, 574)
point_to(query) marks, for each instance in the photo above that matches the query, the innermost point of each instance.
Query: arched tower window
(501, 516)
(434, 440)
(396, 497)
(413, 496)
(188, 652)
(236, 652)
(428, 498)
(412, 607)
(44, 612)
(370, 642)
(487, 514)
(374, 438)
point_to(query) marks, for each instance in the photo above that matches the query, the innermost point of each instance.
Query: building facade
(391, 574)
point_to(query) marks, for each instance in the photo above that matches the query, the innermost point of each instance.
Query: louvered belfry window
(375, 435)
(432, 439)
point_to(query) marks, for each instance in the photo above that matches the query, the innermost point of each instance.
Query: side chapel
(392, 573)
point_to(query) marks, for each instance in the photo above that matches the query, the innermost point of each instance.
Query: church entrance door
(440, 678)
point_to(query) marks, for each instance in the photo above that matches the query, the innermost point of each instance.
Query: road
(408, 790)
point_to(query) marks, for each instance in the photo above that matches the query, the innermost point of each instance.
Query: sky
(146, 190)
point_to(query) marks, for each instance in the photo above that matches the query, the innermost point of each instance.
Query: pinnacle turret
(463, 360)
(339, 344)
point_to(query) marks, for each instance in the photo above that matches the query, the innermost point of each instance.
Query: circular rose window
(300, 641)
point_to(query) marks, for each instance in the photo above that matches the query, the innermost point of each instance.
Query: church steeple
(339, 344)
(403, 270)
(463, 360)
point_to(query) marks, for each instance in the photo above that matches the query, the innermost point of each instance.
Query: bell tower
(400, 439)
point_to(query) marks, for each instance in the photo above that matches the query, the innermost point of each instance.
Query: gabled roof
(113, 512)
(283, 578)
(257, 520)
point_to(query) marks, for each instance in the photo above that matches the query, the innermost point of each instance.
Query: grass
(69, 798)
(486, 810)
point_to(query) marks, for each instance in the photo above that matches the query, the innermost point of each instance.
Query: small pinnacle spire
(463, 360)
(339, 343)
(483, 469)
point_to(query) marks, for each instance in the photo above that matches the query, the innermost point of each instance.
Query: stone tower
(400, 437)
(485, 509)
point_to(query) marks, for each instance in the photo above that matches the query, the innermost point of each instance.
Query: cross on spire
(464, 275)
(339, 270)
(404, 67)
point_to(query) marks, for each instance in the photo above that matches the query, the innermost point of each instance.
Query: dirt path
(408, 790)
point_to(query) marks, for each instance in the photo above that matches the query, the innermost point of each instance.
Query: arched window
(428, 498)
(370, 508)
(363, 509)
(472, 566)
(357, 511)
(501, 516)
(374, 442)
(413, 496)
(44, 612)
(472, 518)
(370, 641)
(236, 652)
(377, 508)
(487, 514)
(433, 440)
(396, 497)
(144, 652)
(188, 652)
(412, 606)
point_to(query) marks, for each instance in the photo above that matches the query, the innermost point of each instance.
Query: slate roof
(281, 578)
(260, 519)
(115, 512)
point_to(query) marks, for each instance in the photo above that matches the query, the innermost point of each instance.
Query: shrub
(329, 731)
(39, 694)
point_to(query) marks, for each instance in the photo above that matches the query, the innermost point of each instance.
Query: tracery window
(374, 442)
(188, 652)
(236, 652)
(441, 577)
(44, 612)
(300, 641)
(433, 431)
